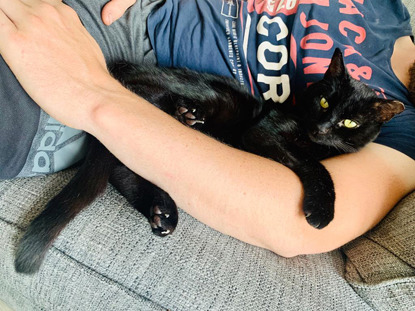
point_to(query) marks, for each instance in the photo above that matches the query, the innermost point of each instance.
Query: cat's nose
(322, 130)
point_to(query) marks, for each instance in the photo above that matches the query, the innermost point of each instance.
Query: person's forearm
(237, 193)
(253, 199)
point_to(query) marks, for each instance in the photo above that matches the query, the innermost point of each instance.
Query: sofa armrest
(380, 265)
(410, 4)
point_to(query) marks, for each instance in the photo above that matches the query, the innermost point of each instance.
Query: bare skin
(114, 9)
(264, 207)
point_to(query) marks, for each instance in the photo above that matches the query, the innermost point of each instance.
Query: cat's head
(342, 112)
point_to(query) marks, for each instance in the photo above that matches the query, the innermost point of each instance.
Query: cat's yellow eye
(324, 103)
(350, 124)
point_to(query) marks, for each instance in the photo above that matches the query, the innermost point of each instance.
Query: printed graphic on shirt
(55, 147)
(289, 41)
(266, 42)
(277, 47)
(230, 8)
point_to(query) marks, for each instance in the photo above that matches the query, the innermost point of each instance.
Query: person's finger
(7, 29)
(6, 25)
(33, 3)
(114, 9)
(14, 10)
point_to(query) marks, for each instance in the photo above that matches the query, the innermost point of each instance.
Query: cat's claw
(189, 116)
(313, 222)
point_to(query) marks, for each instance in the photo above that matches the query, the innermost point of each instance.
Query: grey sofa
(107, 259)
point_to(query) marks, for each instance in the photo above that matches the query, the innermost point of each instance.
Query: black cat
(335, 115)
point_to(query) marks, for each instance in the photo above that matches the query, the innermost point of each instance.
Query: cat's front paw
(319, 209)
(190, 116)
(319, 219)
(163, 217)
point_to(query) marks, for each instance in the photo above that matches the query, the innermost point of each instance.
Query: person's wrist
(111, 103)
(99, 98)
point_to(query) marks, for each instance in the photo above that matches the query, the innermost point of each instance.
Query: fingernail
(109, 19)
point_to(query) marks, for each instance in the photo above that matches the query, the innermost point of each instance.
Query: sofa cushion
(381, 264)
(108, 259)
(410, 4)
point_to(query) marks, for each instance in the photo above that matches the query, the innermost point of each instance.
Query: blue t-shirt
(276, 48)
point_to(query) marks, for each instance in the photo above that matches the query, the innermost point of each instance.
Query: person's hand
(53, 56)
(114, 9)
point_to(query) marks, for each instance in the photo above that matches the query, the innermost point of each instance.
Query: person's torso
(277, 47)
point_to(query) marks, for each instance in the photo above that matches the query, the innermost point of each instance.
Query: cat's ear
(387, 109)
(336, 68)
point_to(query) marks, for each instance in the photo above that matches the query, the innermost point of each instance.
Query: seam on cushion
(90, 271)
(389, 251)
(11, 224)
(384, 284)
(103, 278)
(356, 271)
(350, 284)
(355, 291)
(394, 252)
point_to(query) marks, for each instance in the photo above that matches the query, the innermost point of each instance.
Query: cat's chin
(317, 139)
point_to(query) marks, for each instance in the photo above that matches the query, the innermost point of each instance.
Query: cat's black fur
(298, 138)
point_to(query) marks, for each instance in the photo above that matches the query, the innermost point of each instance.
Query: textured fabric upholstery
(411, 7)
(380, 265)
(107, 259)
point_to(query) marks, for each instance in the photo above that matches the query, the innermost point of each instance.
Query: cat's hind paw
(163, 219)
(189, 116)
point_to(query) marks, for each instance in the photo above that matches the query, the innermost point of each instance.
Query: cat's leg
(279, 144)
(154, 203)
(90, 181)
(319, 193)
(224, 117)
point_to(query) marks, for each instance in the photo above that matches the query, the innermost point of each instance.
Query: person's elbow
(304, 240)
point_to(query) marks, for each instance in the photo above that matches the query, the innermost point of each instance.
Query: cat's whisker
(344, 146)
